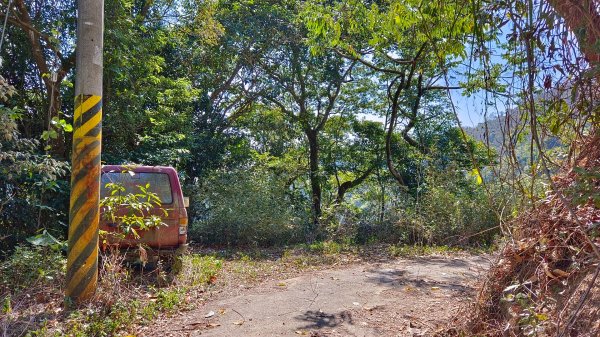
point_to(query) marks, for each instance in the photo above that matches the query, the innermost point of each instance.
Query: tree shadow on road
(428, 273)
(319, 319)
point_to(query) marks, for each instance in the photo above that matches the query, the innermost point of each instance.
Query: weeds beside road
(31, 285)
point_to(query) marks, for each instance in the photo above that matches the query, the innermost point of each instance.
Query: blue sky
(469, 109)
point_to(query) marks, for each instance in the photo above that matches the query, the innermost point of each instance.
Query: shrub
(29, 266)
(447, 208)
(246, 208)
(199, 270)
(33, 193)
(451, 212)
(131, 211)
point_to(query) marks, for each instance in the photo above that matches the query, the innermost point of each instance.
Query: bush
(452, 210)
(367, 216)
(33, 193)
(246, 208)
(29, 266)
(447, 208)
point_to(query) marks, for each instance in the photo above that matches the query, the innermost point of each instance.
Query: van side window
(159, 183)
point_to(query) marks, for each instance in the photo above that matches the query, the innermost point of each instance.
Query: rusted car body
(170, 238)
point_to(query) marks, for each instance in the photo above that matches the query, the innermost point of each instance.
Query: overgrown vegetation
(31, 291)
(324, 123)
(299, 154)
(136, 217)
(545, 282)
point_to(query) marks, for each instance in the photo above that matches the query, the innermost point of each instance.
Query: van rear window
(159, 183)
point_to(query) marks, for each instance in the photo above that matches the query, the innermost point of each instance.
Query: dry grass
(545, 281)
(129, 298)
(31, 290)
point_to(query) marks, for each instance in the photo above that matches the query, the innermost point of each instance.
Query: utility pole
(82, 257)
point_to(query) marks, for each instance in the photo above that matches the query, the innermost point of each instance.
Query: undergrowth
(421, 250)
(31, 294)
(545, 283)
(128, 297)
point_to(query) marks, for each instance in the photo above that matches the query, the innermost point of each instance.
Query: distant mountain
(494, 129)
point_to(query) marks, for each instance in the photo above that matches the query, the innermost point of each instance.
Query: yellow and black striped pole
(84, 216)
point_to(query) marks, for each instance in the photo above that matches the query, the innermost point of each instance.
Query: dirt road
(404, 297)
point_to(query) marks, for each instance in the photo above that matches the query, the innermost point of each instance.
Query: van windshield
(159, 183)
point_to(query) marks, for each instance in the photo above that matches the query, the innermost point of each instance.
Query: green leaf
(6, 306)
(50, 134)
(44, 239)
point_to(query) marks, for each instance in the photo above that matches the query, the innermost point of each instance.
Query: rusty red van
(163, 180)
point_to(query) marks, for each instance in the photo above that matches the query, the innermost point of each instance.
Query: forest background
(293, 121)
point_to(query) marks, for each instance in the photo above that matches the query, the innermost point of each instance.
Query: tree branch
(369, 64)
(345, 186)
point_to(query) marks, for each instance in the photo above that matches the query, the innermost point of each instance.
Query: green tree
(409, 45)
(27, 178)
(353, 151)
(286, 75)
(39, 46)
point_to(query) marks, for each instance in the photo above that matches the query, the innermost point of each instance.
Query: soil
(397, 297)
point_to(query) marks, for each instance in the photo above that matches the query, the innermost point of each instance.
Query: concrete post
(82, 258)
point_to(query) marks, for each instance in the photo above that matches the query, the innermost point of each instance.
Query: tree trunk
(23, 20)
(345, 186)
(390, 131)
(583, 19)
(315, 181)
(388, 148)
(382, 200)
